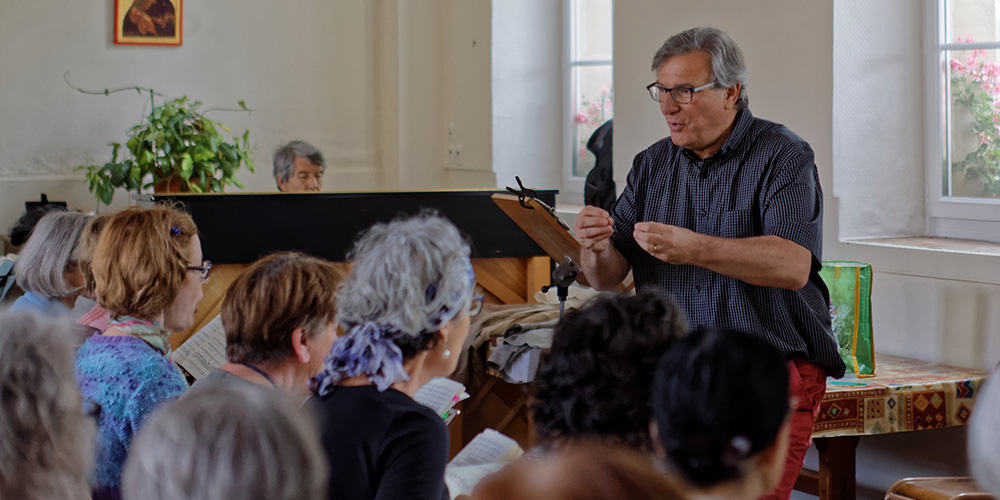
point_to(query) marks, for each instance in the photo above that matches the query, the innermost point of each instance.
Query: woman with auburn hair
(280, 321)
(582, 471)
(405, 306)
(47, 268)
(148, 274)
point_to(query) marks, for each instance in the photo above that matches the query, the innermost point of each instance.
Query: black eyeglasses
(203, 270)
(681, 95)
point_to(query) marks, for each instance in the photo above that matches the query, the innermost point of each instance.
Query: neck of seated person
(749, 487)
(69, 301)
(291, 377)
(117, 332)
(416, 367)
(761, 474)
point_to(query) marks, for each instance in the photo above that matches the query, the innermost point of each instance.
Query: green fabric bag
(850, 285)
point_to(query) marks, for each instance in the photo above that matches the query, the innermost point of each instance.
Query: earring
(447, 353)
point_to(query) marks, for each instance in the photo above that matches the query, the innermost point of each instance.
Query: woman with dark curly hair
(595, 381)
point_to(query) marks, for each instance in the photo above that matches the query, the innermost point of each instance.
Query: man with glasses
(726, 216)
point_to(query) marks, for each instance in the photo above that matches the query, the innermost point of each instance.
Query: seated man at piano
(298, 167)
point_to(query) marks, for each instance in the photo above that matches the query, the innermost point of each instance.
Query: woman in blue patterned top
(148, 275)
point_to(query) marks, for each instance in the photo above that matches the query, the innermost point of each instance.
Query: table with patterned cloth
(904, 395)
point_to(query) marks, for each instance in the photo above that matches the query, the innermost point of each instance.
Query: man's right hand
(594, 227)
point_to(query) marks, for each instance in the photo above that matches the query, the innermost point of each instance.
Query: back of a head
(50, 251)
(88, 244)
(410, 278)
(227, 441)
(587, 471)
(137, 248)
(46, 442)
(406, 273)
(984, 436)
(720, 397)
(273, 297)
(595, 380)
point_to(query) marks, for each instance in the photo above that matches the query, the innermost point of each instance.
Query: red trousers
(807, 384)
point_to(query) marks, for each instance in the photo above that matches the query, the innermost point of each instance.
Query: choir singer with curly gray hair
(405, 307)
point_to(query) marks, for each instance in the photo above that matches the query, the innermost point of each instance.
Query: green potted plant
(174, 148)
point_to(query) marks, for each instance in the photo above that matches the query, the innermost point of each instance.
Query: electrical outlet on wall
(454, 155)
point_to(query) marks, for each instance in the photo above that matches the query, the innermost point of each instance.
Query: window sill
(952, 259)
(949, 245)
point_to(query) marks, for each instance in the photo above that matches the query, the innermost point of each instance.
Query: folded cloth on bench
(493, 322)
(517, 354)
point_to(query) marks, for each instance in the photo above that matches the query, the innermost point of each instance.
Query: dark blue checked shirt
(761, 182)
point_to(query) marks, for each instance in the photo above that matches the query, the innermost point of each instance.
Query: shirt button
(703, 212)
(697, 288)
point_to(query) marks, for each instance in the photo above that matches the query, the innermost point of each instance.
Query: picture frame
(148, 22)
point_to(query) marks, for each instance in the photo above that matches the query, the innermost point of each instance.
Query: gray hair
(728, 67)
(984, 436)
(405, 274)
(46, 441)
(49, 252)
(284, 158)
(227, 441)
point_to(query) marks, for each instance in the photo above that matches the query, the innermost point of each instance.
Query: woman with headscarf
(405, 307)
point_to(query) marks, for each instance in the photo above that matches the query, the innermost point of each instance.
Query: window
(591, 84)
(964, 163)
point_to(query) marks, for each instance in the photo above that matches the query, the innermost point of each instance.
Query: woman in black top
(405, 307)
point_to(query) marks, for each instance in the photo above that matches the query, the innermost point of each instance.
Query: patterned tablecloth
(904, 395)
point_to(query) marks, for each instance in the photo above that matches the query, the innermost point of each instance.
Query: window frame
(948, 216)
(573, 185)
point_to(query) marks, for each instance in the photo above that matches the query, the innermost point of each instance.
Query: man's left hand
(672, 244)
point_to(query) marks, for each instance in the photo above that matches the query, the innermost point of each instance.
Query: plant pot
(171, 185)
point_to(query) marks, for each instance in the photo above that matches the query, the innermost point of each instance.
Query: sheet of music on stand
(441, 395)
(204, 351)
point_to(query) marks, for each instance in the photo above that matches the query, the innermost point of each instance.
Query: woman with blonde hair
(96, 318)
(148, 274)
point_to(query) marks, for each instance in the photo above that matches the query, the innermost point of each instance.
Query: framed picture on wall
(148, 22)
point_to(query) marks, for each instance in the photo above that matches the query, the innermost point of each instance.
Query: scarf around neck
(150, 332)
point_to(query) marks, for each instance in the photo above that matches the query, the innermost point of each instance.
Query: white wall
(372, 84)
(878, 117)
(929, 305)
(528, 76)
